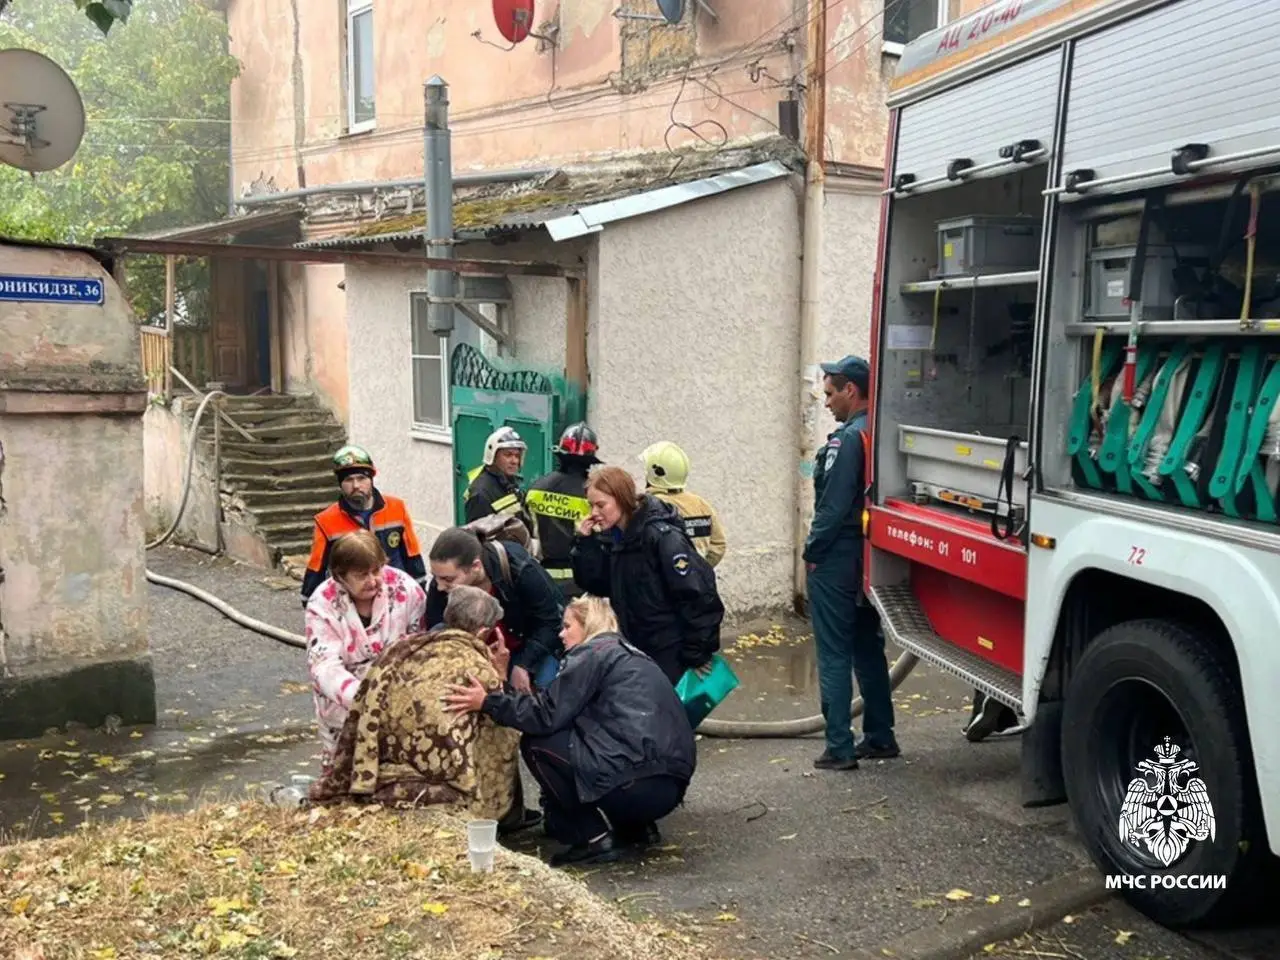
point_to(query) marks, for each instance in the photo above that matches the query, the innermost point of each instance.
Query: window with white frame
(431, 354)
(360, 111)
(904, 20)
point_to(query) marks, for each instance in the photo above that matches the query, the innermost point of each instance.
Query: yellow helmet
(666, 466)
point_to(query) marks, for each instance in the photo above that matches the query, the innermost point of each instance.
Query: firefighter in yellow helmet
(666, 470)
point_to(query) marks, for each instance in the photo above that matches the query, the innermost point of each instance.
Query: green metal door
(484, 398)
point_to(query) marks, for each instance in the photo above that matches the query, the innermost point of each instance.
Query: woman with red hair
(633, 549)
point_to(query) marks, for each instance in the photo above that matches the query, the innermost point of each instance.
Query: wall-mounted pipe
(442, 285)
(810, 282)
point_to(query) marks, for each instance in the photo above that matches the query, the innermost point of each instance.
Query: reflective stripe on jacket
(389, 522)
(558, 503)
(701, 522)
(491, 493)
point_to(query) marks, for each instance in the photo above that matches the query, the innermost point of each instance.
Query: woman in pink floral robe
(365, 606)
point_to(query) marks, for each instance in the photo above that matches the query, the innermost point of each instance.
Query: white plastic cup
(482, 844)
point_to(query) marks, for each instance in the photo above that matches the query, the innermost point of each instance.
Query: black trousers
(625, 810)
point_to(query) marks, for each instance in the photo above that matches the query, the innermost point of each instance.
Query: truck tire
(1137, 683)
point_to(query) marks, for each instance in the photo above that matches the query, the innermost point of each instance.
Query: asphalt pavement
(767, 856)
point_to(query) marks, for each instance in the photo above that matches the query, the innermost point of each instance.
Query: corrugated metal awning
(560, 215)
(290, 215)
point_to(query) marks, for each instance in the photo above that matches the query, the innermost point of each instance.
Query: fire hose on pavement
(729, 729)
(224, 608)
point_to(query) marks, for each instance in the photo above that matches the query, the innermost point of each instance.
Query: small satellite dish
(672, 10)
(41, 113)
(514, 18)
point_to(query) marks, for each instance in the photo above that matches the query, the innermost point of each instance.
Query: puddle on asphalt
(778, 674)
(55, 783)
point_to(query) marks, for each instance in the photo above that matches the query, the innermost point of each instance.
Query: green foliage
(157, 135)
(104, 13)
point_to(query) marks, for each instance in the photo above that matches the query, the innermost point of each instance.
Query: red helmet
(578, 440)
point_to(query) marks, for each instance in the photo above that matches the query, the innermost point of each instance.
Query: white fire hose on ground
(732, 729)
(228, 611)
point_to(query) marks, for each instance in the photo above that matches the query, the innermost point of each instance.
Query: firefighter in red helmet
(558, 503)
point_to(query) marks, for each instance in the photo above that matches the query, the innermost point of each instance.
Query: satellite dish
(672, 10)
(514, 18)
(41, 113)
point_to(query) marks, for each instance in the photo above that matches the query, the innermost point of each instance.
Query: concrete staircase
(277, 482)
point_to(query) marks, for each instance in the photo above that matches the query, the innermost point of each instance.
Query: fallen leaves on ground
(253, 881)
(776, 636)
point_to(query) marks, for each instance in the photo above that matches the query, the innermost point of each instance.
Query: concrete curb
(965, 935)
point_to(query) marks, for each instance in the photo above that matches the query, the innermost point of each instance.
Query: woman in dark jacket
(608, 742)
(633, 549)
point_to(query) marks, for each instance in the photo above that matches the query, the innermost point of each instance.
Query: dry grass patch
(252, 882)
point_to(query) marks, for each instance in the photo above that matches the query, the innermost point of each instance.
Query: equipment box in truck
(1076, 455)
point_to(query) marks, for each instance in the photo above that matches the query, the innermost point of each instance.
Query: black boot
(600, 850)
(638, 835)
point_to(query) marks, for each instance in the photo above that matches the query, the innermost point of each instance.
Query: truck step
(906, 625)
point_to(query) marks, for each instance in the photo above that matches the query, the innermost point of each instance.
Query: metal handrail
(1193, 166)
(963, 174)
(222, 414)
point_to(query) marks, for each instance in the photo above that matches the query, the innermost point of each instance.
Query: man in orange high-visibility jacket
(362, 506)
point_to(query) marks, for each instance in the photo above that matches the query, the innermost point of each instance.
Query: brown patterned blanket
(399, 746)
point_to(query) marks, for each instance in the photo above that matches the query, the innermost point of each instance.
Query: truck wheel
(1136, 684)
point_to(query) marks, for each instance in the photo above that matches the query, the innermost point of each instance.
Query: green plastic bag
(700, 695)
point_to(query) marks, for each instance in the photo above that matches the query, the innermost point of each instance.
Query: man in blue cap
(845, 625)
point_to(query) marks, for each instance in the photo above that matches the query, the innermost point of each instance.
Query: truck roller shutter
(975, 121)
(1202, 72)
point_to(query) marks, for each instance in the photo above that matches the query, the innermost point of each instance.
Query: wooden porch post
(170, 297)
(575, 346)
(273, 327)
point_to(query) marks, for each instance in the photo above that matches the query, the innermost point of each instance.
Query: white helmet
(504, 438)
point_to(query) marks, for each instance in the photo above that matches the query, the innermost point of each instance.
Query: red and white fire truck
(1075, 426)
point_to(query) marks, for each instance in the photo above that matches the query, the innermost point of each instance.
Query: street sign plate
(36, 289)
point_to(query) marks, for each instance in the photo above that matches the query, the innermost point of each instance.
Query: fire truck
(1075, 435)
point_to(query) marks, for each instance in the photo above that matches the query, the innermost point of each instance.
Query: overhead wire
(395, 137)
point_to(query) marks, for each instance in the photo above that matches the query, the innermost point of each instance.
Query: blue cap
(854, 369)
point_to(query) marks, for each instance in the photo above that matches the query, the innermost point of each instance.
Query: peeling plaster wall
(313, 335)
(694, 339)
(73, 598)
(499, 96)
(71, 542)
(166, 434)
(289, 108)
(858, 74)
(420, 471)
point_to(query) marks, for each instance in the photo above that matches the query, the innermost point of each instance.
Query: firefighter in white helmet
(666, 471)
(495, 487)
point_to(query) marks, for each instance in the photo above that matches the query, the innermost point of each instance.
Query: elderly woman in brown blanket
(400, 746)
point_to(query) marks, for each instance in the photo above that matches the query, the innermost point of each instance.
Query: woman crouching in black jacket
(608, 741)
(633, 549)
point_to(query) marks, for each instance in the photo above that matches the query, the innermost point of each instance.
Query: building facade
(683, 137)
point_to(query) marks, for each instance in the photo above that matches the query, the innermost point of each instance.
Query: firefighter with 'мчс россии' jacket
(558, 503)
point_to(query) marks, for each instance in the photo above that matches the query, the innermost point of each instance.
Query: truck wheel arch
(1096, 599)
